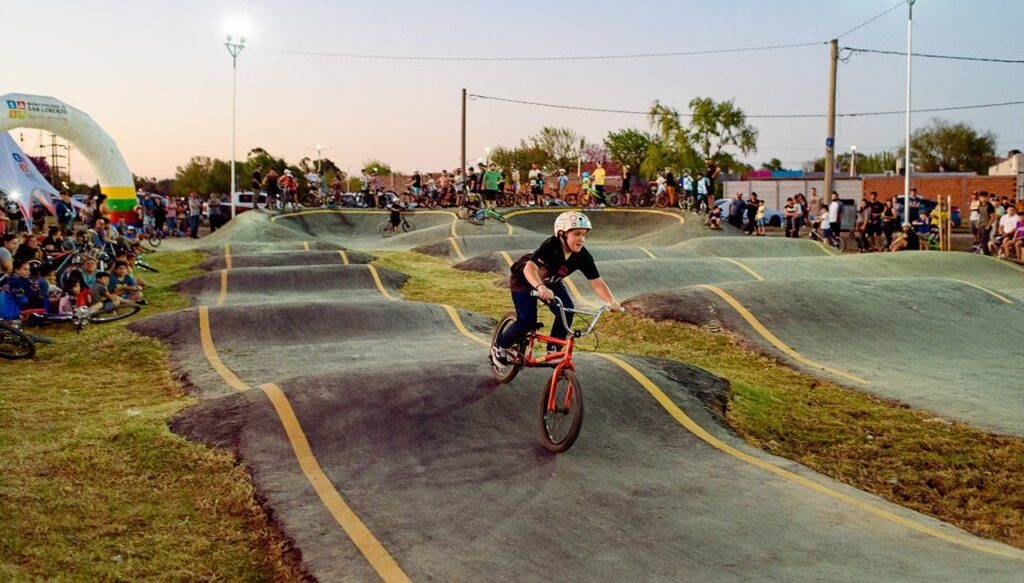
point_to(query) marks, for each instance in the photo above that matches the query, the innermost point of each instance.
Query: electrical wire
(548, 58)
(872, 19)
(852, 51)
(752, 116)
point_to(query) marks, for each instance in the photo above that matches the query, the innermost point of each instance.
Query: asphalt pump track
(383, 449)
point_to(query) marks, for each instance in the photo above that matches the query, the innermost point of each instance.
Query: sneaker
(499, 356)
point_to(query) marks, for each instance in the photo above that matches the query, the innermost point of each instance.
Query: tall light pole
(234, 48)
(907, 168)
(853, 161)
(319, 150)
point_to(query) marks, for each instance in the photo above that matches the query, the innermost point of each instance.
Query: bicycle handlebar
(562, 310)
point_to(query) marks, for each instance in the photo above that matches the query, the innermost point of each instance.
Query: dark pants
(526, 316)
(983, 235)
(193, 226)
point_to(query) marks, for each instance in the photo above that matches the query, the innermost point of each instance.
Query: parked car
(928, 205)
(243, 200)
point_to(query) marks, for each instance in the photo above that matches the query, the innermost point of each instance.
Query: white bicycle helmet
(572, 220)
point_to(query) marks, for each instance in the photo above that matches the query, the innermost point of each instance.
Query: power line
(751, 116)
(852, 51)
(547, 58)
(872, 19)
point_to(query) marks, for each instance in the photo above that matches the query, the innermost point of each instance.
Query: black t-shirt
(553, 265)
(913, 243)
(877, 208)
(416, 181)
(25, 253)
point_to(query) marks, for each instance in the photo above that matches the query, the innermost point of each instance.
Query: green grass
(954, 472)
(94, 486)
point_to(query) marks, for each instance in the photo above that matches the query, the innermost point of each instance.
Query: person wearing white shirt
(835, 215)
(1008, 230)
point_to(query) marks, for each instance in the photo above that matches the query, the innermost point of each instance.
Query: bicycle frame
(567, 345)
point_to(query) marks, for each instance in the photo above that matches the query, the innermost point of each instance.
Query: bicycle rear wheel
(644, 200)
(504, 374)
(15, 344)
(114, 314)
(385, 230)
(571, 199)
(839, 242)
(661, 201)
(154, 239)
(614, 199)
(522, 200)
(560, 424)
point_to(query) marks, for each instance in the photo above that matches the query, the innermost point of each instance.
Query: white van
(243, 201)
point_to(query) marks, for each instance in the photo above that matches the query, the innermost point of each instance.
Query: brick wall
(958, 187)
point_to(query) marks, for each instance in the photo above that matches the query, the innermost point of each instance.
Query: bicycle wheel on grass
(504, 374)
(15, 344)
(114, 314)
(560, 425)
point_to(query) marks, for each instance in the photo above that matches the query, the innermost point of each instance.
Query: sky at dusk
(157, 77)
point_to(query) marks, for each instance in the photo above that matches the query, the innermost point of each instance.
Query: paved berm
(384, 450)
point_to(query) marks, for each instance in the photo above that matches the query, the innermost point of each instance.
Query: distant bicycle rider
(543, 271)
(289, 187)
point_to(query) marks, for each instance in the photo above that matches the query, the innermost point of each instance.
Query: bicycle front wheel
(154, 240)
(560, 416)
(407, 226)
(614, 199)
(15, 344)
(504, 373)
(571, 199)
(114, 314)
(661, 201)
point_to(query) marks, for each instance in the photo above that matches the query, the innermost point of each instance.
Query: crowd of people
(34, 275)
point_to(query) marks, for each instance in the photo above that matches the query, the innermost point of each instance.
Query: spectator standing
(889, 218)
(736, 208)
(835, 215)
(272, 189)
(627, 178)
(195, 209)
(801, 211)
(65, 213)
(459, 185)
(670, 186)
(515, 180)
(536, 183)
(159, 214)
(491, 179)
(257, 185)
(973, 217)
(563, 184)
(599, 176)
(750, 213)
(875, 221)
(813, 202)
(214, 210)
(860, 227)
(986, 219)
(789, 216)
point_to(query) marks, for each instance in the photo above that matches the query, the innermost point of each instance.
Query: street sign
(829, 142)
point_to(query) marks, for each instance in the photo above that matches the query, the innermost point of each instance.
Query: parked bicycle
(560, 408)
(834, 241)
(15, 344)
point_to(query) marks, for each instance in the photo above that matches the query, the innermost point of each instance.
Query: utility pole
(907, 168)
(830, 137)
(463, 157)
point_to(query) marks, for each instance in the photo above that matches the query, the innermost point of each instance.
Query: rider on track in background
(543, 271)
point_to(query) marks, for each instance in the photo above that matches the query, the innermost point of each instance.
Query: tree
(628, 146)
(716, 125)
(952, 147)
(193, 176)
(41, 164)
(774, 165)
(562, 147)
(382, 168)
(877, 163)
(670, 146)
(520, 158)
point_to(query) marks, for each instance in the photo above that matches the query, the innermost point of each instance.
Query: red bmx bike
(560, 409)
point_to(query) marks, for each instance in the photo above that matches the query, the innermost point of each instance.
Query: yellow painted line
(984, 289)
(455, 247)
(576, 293)
(1009, 264)
(774, 340)
(344, 256)
(508, 226)
(227, 256)
(506, 257)
(305, 245)
(744, 267)
(824, 248)
(454, 315)
(210, 351)
(649, 254)
(675, 216)
(713, 441)
(223, 287)
(275, 218)
(371, 548)
(693, 427)
(380, 284)
(454, 234)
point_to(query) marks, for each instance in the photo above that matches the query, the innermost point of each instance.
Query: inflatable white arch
(47, 113)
